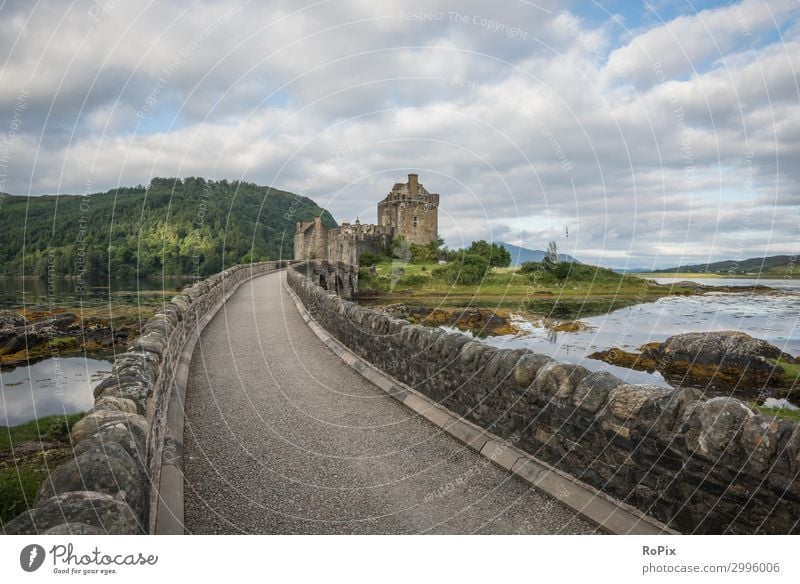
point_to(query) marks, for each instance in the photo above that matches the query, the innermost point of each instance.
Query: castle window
(415, 221)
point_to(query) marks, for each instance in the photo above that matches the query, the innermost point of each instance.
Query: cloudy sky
(657, 133)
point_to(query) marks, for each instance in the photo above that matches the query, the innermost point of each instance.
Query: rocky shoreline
(729, 360)
(479, 321)
(36, 335)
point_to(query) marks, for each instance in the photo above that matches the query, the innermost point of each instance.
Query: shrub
(370, 259)
(494, 253)
(530, 267)
(466, 269)
(413, 280)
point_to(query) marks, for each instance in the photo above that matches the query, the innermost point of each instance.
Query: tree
(426, 254)
(466, 269)
(494, 253)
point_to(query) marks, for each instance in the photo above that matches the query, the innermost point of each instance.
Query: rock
(114, 403)
(10, 319)
(19, 341)
(55, 322)
(670, 412)
(592, 392)
(474, 354)
(131, 435)
(627, 401)
(528, 366)
(115, 382)
(720, 348)
(760, 436)
(97, 510)
(502, 363)
(106, 468)
(559, 380)
(151, 342)
(570, 326)
(622, 358)
(140, 364)
(89, 424)
(712, 426)
(727, 359)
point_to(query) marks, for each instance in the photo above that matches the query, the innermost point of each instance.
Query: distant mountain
(771, 264)
(189, 226)
(520, 255)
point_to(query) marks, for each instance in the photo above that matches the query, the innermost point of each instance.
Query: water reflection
(32, 292)
(54, 386)
(774, 318)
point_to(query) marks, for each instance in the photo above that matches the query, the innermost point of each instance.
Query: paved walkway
(282, 437)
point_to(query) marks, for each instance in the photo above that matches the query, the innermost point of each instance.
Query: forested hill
(778, 264)
(173, 227)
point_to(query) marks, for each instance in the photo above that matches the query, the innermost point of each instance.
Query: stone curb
(168, 518)
(607, 513)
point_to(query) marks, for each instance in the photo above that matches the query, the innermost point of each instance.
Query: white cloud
(520, 135)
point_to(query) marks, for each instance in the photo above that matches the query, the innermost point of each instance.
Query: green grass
(22, 475)
(585, 291)
(19, 483)
(782, 413)
(49, 429)
(790, 380)
(63, 342)
(791, 372)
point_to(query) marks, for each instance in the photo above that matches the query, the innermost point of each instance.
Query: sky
(654, 133)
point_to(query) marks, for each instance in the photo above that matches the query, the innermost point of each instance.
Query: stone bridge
(261, 400)
(337, 277)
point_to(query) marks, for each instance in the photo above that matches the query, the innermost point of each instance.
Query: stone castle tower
(408, 211)
(412, 211)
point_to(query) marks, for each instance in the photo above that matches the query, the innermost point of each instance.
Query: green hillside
(172, 227)
(774, 265)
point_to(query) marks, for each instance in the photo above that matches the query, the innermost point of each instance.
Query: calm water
(64, 385)
(778, 284)
(54, 386)
(18, 292)
(775, 318)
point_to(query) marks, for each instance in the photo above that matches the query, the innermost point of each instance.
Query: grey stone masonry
(700, 465)
(109, 486)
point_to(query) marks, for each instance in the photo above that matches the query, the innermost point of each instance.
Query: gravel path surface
(282, 437)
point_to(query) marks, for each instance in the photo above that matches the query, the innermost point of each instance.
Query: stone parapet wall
(338, 277)
(700, 465)
(110, 486)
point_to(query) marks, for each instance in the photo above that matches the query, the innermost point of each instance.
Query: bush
(424, 254)
(530, 267)
(466, 269)
(561, 270)
(370, 259)
(494, 253)
(413, 280)
(59, 429)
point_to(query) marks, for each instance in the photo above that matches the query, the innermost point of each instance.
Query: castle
(409, 212)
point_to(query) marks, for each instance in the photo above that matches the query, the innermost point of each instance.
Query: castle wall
(348, 243)
(311, 240)
(412, 211)
(417, 222)
(409, 211)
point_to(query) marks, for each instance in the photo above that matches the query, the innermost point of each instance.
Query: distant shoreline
(685, 275)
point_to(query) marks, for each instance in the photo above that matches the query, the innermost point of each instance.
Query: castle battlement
(409, 211)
